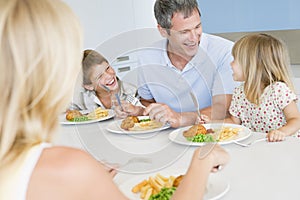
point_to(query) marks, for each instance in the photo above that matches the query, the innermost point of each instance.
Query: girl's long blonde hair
(40, 57)
(264, 60)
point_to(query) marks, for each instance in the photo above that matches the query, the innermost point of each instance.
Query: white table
(262, 171)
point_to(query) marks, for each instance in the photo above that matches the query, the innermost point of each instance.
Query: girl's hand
(120, 112)
(128, 110)
(276, 136)
(132, 110)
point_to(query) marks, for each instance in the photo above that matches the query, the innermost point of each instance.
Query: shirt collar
(187, 67)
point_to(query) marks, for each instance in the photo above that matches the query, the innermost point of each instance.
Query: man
(186, 61)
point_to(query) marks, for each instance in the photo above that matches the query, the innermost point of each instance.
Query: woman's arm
(194, 182)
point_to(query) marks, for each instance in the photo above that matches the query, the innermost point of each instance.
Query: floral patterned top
(269, 114)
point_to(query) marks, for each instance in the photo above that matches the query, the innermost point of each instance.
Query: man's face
(184, 37)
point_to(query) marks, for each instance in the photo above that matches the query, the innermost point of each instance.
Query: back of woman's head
(264, 60)
(40, 54)
(90, 59)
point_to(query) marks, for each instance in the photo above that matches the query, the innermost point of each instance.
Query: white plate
(177, 135)
(115, 127)
(216, 187)
(63, 120)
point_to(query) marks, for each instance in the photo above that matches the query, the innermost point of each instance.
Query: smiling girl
(99, 84)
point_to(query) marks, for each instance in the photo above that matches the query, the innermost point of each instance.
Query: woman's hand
(276, 136)
(213, 154)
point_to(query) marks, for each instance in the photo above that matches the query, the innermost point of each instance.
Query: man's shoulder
(215, 43)
(216, 47)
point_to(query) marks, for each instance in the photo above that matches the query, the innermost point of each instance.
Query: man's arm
(219, 108)
(164, 114)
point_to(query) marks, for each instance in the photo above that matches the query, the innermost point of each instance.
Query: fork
(196, 104)
(119, 100)
(136, 160)
(132, 99)
(105, 87)
(250, 143)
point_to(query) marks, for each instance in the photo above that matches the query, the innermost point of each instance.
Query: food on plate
(198, 133)
(164, 194)
(77, 116)
(177, 180)
(195, 130)
(226, 133)
(129, 122)
(134, 123)
(157, 187)
(98, 113)
(72, 114)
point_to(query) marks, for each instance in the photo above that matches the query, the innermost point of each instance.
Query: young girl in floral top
(265, 101)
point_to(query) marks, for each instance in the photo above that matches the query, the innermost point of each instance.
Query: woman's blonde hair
(40, 57)
(264, 60)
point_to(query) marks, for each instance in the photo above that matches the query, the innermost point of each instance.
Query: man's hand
(164, 114)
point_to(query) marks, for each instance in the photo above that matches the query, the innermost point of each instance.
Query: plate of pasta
(200, 134)
(164, 183)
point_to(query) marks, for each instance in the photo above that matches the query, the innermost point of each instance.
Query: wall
(244, 15)
(115, 30)
(290, 37)
(103, 19)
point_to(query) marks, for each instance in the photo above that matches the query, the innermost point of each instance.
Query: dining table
(263, 170)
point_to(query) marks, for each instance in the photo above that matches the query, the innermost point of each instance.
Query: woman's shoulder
(69, 159)
(63, 155)
(74, 169)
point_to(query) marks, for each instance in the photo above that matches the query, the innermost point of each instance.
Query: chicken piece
(71, 114)
(195, 130)
(129, 122)
(177, 180)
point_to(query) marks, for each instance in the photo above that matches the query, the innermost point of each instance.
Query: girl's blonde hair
(264, 60)
(40, 57)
